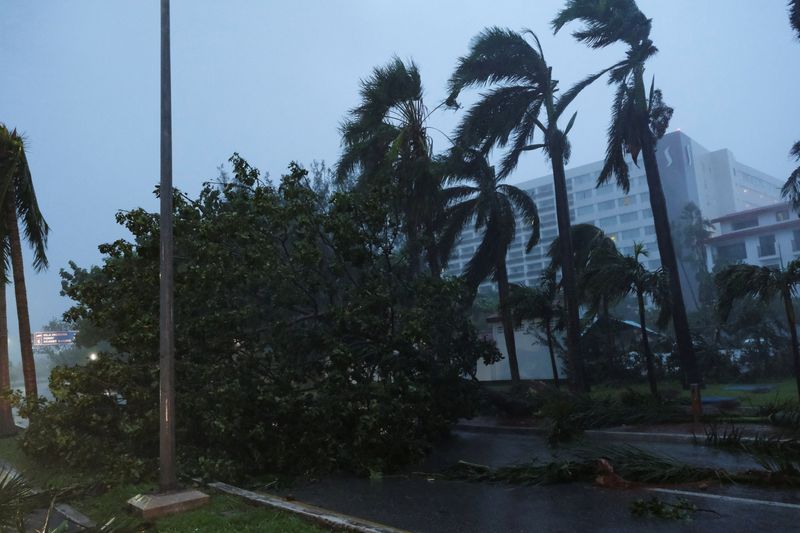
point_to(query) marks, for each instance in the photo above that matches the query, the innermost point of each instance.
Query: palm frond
(791, 189)
(736, 282)
(794, 16)
(497, 55)
(525, 205)
(605, 22)
(496, 116)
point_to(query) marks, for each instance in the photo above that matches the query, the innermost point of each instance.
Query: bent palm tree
(638, 120)
(18, 201)
(765, 283)
(524, 98)
(540, 306)
(613, 273)
(386, 144)
(478, 197)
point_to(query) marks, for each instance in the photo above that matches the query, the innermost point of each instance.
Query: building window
(796, 241)
(626, 200)
(607, 221)
(583, 195)
(782, 216)
(647, 213)
(649, 230)
(766, 246)
(631, 233)
(732, 252)
(585, 210)
(744, 224)
(605, 206)
(628, 217)
(605, 188)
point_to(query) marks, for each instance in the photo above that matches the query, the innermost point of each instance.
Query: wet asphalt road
(421, 504)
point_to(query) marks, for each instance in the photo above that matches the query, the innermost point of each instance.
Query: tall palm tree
(18, 201)
(621, 275)
(765, 283)
(791, 188)
(477, 196)
(540, 305)
(524, 98)
(639, 119)
(386, 144)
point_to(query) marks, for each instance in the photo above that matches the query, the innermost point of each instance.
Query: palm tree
(621, 275)
(7, 426)
(477, 196)
(540, 305)
(386, 143)
(18, 200)
(765, 283)
(638, 120)
(524, 98)
(791, 188)
(587, 241)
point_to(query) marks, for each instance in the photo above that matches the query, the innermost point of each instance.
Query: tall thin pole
(167, 470)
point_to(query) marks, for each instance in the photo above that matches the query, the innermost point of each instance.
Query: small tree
(541, 306)
(765, 283)
(478, 196)
(620, 275)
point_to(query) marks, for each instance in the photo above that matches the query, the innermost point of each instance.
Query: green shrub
(302, 342)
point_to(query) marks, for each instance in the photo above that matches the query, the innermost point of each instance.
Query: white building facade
(714, 181)
(764, 236)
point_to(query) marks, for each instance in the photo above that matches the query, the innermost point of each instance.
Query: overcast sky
(272, 80)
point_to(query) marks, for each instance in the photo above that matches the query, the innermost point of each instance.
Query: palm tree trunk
(648, 354)
(7, 426)
(666, 249)
(568, 277)
(508, 323)
(549, 332)
(21, 297)
(790, 318)
(432, 252)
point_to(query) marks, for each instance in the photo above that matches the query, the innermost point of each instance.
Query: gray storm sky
(272, 80)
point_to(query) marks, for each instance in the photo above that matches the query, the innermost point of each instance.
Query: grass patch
(101, 502)
(785, 390)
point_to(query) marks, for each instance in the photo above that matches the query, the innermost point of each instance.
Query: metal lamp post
(167, 472)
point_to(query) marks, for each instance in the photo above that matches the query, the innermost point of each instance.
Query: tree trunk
(7, 426)
(508, 323)
(666, 249)
(21, 297)
(648, 354)
(568, 277)
(549, 332)
(610, 345)
(790, 318)
(432, 252)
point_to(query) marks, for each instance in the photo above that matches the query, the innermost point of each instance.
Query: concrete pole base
(152, 506)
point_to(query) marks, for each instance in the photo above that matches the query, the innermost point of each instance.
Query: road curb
(311, 512)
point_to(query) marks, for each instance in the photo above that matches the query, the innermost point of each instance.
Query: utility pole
(167, 472)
